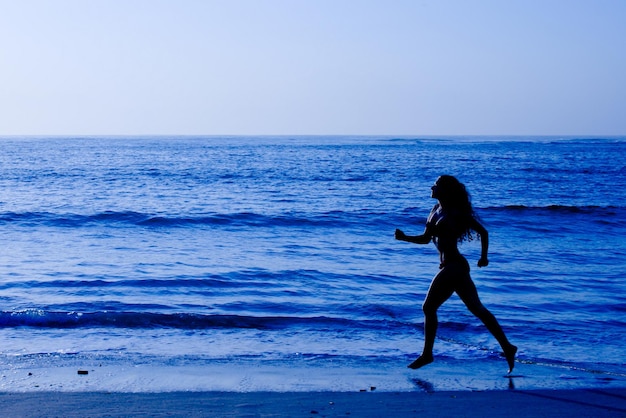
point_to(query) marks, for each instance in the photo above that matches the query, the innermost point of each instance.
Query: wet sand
(531, 403)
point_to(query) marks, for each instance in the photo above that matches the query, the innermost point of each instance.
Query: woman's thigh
(441, 288)
(466, 289)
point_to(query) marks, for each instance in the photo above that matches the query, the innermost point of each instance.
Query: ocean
(269, 263)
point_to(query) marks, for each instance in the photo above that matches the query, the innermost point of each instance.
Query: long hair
(454, 195)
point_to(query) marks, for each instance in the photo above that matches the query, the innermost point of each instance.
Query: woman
(452, 220)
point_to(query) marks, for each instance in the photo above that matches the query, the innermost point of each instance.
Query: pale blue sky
(441, 67)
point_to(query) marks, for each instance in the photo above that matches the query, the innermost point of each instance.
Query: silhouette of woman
(452, 220)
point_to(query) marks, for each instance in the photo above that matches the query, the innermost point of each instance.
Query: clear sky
(397, 67)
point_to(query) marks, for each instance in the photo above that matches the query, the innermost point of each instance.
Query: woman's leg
(469, 295)
(440, 290)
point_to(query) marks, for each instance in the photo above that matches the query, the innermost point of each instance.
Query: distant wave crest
(557, 209)
(37, 318)
(129, 218)
(333, 219)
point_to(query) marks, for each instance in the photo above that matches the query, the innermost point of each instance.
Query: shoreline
(74, 373)
(545, 403)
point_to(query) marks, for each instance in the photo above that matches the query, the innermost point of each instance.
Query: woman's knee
(429, 308)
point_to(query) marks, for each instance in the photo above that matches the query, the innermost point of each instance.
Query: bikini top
(448, 249)
(437, 220)
(433, 219)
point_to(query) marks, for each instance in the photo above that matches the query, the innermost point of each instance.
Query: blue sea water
(172, 251)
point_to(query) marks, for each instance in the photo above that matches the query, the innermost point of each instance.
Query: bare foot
(509, 353)
(421, 361)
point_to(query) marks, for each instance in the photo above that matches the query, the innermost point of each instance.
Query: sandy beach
(249, 389)
(540, 403)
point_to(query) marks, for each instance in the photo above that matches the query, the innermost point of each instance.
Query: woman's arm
(415, 239)
(426, 236)
(484, 242)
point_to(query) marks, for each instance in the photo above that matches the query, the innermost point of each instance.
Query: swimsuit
(451, 257)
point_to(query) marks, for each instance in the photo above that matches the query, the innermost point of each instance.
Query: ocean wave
(209, 282)
(236, 278)
(38, 318)
(561, 209)
(332, 219)
(130, 218)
